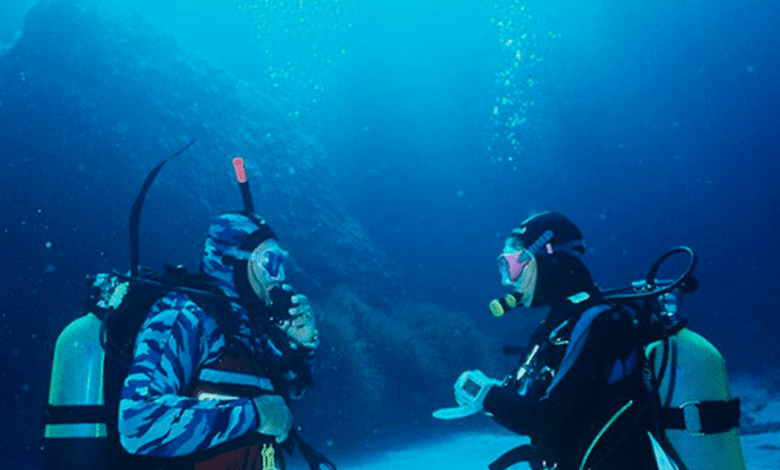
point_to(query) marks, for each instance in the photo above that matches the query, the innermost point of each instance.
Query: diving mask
(267, 264)
(512, 264)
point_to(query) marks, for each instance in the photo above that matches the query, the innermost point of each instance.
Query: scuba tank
(696, 418)
(76, 419)
(76, 434)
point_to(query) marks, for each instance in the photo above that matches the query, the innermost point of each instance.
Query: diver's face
(265, 268)
(302, 329)
(518, 268)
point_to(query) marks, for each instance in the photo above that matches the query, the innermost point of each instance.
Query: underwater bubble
(49, 269)
(48, 244)
(301, 40)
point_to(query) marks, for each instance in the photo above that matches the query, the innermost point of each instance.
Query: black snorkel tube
(243, 185)
(135, 212)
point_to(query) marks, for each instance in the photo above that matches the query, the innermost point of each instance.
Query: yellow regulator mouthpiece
(498, 307)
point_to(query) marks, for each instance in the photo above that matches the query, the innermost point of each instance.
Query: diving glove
(471, 388)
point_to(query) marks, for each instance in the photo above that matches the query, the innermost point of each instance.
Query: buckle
(692, 417)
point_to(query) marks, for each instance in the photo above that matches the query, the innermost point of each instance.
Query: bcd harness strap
(702, 417)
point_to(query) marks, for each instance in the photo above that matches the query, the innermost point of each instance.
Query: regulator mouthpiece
(498, 307)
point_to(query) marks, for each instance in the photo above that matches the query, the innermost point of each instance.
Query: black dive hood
(649, 287)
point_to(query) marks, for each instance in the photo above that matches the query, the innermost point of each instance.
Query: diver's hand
(472, 387)
(275, 417)
(301, 306)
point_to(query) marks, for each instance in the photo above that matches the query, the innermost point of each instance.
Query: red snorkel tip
(246, 195)
(238, 166)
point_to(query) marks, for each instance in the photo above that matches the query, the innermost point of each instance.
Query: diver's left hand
(472, 387)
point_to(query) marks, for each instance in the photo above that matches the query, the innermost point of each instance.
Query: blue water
(434, 127)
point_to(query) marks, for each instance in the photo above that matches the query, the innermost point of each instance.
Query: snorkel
(243, 184)
(264, 276)
(253, 283)
(282, 297)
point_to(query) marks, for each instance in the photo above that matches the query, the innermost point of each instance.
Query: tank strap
(702, 417)
(74, 414)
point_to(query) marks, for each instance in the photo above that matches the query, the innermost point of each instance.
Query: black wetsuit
(597, 380)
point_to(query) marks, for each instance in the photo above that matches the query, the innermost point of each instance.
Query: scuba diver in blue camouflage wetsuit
(208, 390)
(171, 370)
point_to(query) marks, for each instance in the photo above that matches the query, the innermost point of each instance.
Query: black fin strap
(523, 453)
(702, 417)
(74, 414)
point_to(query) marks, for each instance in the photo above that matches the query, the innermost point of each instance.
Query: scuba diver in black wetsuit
(608, 382)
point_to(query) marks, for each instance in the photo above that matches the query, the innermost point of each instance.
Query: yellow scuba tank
(698, 418)
(76, 430)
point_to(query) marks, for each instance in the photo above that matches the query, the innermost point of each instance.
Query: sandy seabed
(760, 440)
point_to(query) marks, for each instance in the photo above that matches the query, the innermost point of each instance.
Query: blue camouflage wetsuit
(157, 418)
(181, 350)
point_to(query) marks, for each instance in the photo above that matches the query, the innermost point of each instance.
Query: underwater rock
(92, 99)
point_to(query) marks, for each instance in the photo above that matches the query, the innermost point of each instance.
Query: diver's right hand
(275, 417)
